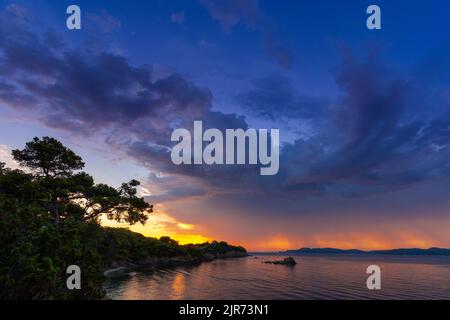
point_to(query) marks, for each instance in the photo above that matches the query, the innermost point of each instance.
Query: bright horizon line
(364, 250)
(183, 240)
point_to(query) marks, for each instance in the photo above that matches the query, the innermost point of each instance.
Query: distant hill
(411, 251)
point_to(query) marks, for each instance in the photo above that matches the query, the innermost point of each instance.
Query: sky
(364, 115)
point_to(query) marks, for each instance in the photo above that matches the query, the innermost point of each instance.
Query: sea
(314, 277)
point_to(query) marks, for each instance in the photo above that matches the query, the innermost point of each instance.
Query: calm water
(314, 277)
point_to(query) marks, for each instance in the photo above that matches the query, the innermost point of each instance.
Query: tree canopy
(48, 157)
(49, 221)
(67, 192)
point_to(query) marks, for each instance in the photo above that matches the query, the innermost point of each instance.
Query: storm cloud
(380, 134)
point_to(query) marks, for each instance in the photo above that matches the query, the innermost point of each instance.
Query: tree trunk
(56, 213)
(55, 210)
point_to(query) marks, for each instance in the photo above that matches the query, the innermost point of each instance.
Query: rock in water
(289, 261)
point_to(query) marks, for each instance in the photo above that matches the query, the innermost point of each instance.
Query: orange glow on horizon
(274, 243)
(185, 234)
(344, 241)
(340, 237)
(162, 225)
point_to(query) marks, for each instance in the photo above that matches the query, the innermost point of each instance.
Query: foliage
(48, 221)
(48, 157)
(35, 254)
(217, 248)
(68, 193)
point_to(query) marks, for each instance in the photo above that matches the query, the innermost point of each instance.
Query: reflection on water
(314, 277)
(177, 287)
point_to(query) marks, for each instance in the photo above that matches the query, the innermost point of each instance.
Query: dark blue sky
(363, 115)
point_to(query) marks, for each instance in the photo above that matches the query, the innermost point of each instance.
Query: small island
(402, 251)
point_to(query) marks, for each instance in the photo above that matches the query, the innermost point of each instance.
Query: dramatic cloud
(382, 144)
(364, 165)
(86, 91)
(385, 132)
(274, 97)
(99, 93)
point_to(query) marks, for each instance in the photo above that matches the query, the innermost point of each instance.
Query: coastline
(155, 263)
(315, 277)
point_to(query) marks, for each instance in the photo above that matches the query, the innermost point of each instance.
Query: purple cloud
(381, 134)
(231, 13)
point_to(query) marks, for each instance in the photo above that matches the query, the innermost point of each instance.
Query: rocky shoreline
(154, 263)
